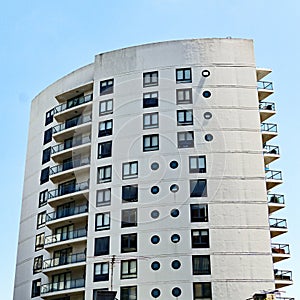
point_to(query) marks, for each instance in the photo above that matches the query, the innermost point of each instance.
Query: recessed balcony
(277, 226)
(268, 131)
(271, 153)
(280, 252)
(282, 278)
(266, 110)
(264, 89)
(273, 178)
(275, 202)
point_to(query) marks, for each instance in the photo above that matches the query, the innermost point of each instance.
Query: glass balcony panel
(72, 123)
(278, 223)
(63, 285)
(264, 85)
(68, 165)
(52, 239)
(75, 102)
(67, 212)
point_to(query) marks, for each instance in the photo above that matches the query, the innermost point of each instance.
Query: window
(106, 107)
(104, 174)
(202, 290)
(150, 142)
(130, 193)
(36, 288)
(49, 117)
(102, 221)
(105, 128)
(101, 246)
(129, 218)
(150, 79)
(201, 265)
(199, 213)
(150, 99)
(39, 241)
(184, 96)
(128, 269)
(197, 164)
(128, 293)
(128, 242)
(103, 197)
(106, 87)
(44, 175)
(104, 149)
(130, 170)
(184, 117)
(46, 155)
(185, 139)
(200, 238)
(43, 198)
(183, 75)
(47, 136)
(198, 188)
(41, 219)
(150, 120)
(37, 264)
(101, 271)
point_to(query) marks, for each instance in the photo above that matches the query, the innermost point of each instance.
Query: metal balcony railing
(68, 190)
(284, 298)
(70, 143)
(271, 149)
(75, 102)
(63, 285)
(68, 165)
(66, 212)
(264, 85)
(278, 223)
(280, 248)
(267, 106)
(274, 175)
(65, 236)
(276, 198)
(283, 275)
(270, 127)
(64, 260)
(72, 123)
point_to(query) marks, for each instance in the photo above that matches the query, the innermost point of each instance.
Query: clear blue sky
(41, 41)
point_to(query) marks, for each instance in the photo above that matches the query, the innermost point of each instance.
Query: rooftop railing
(68, 165)
(68, 190)
(280, 248)
(278, 223)
(65, 236)
(276, 198)
(267, 106)
(64, 260)
(72, 103)
(66, 212)
(283, 275)
(270, 127)
(70, 144)
(271, 149)
(72, 123)
(63, 285)
(264, 85)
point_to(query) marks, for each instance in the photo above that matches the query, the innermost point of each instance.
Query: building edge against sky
(149, 172)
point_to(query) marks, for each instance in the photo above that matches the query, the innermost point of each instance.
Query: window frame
(102, 250)
(41, 219)
(203, 266)
(49, 116)
(132, 171)
(185, 78)
(131, 270)
(187, 115)
(105, 177)
(106, 86)
(152, 123)
(43, 198)
(131, 195)
(108, 128)
(206, 294)
(200, 242)
(129, 242)
(46, 156)
(196, 214)
(36, 288)
(104, 149)
(152, 146)
(107, 110)
(129, 217)
(198, 164)
(45, 173)
(103, 192)
(185, 143)
(39, 241)
(150, 99)
(185, 92)
(152, 75)
(37, 264)
(47, 136)
(104, 224)
(198, 189)
(104, 271)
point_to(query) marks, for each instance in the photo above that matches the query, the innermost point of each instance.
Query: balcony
(273, 178)
(271, 153)
(284, 298)
(275, 202)
(66, 170)
(282, 278)
(266, 110)
(78, 125)
(277, 226)
(67, 285)
(264, 89)
(280, 252)
(262, 72)
(268, 131)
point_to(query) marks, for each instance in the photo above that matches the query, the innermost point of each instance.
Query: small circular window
(173, 164)
(206, 94)
(155, 239)
(154, 214)
(155, 265)
(174, 212)
(154, 166)
(155, 293)
(209, 137)
(176, 264)
(176, 292)
(207, 115)
(174, 188)
(154, 190)
(205, 73)
(175, 238)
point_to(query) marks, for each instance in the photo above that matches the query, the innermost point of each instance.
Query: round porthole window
(155, 265)
(209, 137)
(174, 188)
(155, 239)
(155, 293)
(207, 115)
(173, 164)
(154, 214)
(175, 238)
(205, 73)
(174, 212)
(176, 264)
(154, 190)
(176, 292)
(206, 94)
(154, 166)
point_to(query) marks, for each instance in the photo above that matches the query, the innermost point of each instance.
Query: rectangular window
(103, 197)
(36, 288)
(41, 219)
(102, 221)
(129, 269)
(106, 87)
(129, 218)
(101, 246)
(199, 213)
(201, 265)
(184, 117)
(200, 238)
(128, 293)
(48, 136)
(150, 142)
(105, 128)
(101, 271)
(130, 193)
(184, 96)
(46, 155)
(150, 99)
(128, 243)
(106, 107)
(185, 139)
(38, 264)
(39, 241)
(43, 197)
(198, 188)
(104, 149)
(202, 290)
(49, 117)
(197, 164)
(130, 170)
(150, 120)
(44, 175)
(184, 75)
(104, 174)
(150, 79)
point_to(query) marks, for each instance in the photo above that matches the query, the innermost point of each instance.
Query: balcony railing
(65, 236)
(271, 149)
(68, 165)
(70, 144)
(63, 285)
(64, 260)
(66, 212)
(283, 275)
(284, 298)
(274, 175)
(70, 189)
(278, 223)
(280, 248)
(268, 127)
(75, 102)
(264, 85)
(72, 123)
(276, 198)
(267, 106)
